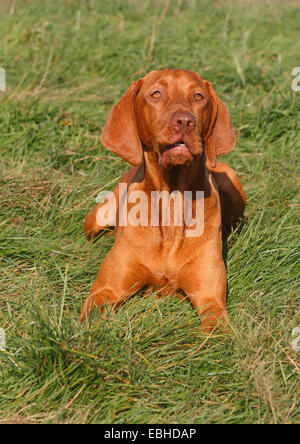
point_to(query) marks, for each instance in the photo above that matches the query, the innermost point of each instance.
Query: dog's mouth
(179, 144)
(175, 154)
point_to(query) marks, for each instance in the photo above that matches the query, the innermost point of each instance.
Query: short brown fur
(138, 129)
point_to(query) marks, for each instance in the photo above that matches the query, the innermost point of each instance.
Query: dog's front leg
(119, 277)
(204, 282)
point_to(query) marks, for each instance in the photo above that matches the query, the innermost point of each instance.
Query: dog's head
(174, 113)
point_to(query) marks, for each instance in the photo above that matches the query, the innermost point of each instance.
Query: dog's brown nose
(183, 121)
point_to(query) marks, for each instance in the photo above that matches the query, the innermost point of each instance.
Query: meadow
(67, 62)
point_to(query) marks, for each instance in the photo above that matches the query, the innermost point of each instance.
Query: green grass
(66, 63)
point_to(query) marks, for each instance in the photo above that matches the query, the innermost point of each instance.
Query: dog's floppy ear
(221, 136)
(120, 134)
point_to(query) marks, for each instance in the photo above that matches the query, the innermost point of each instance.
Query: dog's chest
(164, 252)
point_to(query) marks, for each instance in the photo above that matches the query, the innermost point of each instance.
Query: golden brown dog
(170, 126)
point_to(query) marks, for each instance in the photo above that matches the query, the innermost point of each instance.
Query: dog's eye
(155, 94)
(198, 97)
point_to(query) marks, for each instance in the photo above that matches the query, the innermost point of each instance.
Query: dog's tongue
(178, 155)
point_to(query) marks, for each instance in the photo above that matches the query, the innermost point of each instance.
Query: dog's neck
(190, 177)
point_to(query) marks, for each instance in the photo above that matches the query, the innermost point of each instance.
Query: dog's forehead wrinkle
(173, 75)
